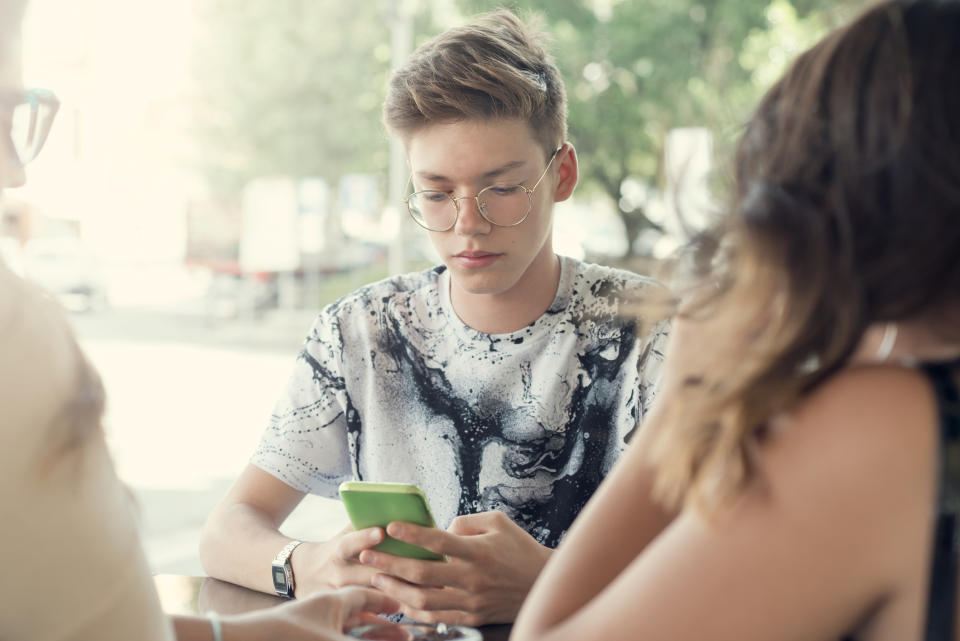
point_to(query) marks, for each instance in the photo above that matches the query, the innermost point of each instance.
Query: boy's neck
(513, 309)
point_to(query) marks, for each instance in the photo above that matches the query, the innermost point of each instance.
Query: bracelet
(215, 625)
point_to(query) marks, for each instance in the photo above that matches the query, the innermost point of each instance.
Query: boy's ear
(568, 171)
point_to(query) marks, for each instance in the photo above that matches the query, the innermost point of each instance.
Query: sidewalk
(270, 330)
(187, 400)
(172, 521)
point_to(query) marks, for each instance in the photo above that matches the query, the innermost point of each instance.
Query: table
(180, 594)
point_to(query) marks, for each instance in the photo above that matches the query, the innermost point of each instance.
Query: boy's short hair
(493, 67)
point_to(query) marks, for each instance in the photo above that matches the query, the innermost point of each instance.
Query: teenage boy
(503, 382)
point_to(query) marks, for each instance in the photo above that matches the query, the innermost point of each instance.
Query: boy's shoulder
(606, 273)
(399, 289)
(614, 286)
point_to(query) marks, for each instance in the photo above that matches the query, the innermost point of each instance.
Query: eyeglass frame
(36, 97)
(480, 207)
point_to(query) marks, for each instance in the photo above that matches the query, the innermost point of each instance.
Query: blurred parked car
(67, 270)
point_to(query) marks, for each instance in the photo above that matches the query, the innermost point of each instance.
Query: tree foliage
(635, 69)
(289, 87)
(295, 86)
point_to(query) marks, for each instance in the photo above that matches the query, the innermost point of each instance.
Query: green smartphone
(378, 504)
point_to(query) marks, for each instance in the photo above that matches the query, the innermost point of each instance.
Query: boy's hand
(334, 563)
(492, 565)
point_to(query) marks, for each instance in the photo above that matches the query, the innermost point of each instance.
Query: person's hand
(334, 563)
(492, 565)
(322, 616)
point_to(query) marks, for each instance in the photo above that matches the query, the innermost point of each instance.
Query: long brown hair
(846, 213)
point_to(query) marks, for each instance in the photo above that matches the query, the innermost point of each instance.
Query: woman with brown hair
(795, 480)
(71, 566)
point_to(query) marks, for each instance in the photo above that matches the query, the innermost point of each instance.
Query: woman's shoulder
(41, 356)
(864, 442)
(865, 414)
(881, 401)
(846, 478)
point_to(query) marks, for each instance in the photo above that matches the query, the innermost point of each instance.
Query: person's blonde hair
(846, 214)
(494, 67)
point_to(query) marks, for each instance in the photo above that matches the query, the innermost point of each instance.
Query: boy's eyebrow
(493, 173)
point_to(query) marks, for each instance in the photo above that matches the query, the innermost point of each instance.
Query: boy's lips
(470, 258)
(475, 254)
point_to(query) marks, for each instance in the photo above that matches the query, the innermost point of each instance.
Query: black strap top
(939, 624)
(943, 571)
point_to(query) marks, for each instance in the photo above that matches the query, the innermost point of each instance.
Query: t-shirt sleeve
(306, 443)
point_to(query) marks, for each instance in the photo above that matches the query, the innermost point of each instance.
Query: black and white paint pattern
(392, 386)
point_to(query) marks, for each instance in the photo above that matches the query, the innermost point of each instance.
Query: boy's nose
(471, 221)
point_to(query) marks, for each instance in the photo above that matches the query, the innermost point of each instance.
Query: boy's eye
(503, 190)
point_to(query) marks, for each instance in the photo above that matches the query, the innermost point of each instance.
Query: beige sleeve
(73, 566)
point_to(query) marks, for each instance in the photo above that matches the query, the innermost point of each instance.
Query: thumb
(364, 618)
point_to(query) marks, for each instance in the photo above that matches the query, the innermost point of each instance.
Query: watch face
(280, 580)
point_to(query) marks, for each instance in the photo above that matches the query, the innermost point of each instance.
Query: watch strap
(282, 563)
(285, 553)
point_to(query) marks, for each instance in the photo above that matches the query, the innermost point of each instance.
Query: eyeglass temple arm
(547, 168)
(539, 180)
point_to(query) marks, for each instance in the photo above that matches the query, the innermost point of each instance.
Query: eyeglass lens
(29, 119)
(27, 129)
(503, 205)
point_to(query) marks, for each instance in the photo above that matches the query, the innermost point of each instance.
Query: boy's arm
(241, 538)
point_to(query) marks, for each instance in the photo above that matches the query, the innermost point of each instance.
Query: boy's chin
(480, 284)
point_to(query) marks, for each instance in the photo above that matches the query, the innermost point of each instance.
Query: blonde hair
(494, 67)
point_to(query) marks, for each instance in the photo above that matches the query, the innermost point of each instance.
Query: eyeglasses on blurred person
(27, 117)
(73, 568)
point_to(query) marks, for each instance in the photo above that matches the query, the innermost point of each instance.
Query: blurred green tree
(295, 86)
(635, 69)
(290, 87)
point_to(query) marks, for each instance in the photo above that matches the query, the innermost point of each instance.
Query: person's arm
(317, 618)
(802, 555)
(618, 523)
(241, 538)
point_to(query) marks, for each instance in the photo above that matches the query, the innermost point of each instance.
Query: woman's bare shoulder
(885, 402)
(865, 440)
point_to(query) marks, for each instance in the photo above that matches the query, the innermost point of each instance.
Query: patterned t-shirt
(391, 386)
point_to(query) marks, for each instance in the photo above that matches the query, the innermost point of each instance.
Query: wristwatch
(283, 570)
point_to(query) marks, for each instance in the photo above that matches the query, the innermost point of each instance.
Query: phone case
(378, 504)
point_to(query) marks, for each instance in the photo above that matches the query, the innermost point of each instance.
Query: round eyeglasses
(27, 118)
(501, 205)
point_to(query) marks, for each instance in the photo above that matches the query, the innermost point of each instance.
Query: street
(187, 399)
